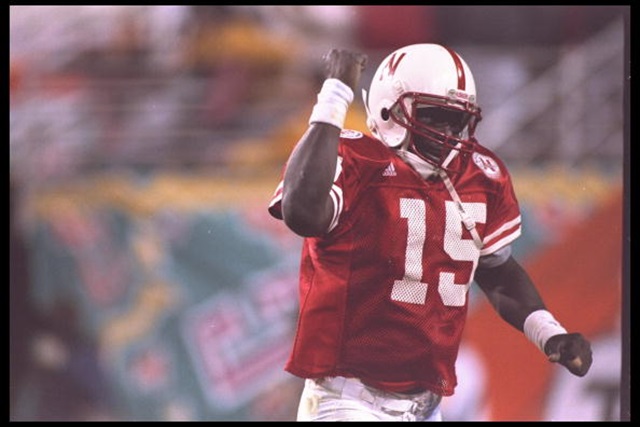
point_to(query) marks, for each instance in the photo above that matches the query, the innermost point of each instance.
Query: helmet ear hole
(384, 113)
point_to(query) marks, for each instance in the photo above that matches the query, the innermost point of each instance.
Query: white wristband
(539, 326)
(333, 101)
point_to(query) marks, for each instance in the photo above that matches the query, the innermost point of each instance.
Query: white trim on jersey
(507, 225)
(277, 195)
(502, 242)
(338, 204)
(336, 195)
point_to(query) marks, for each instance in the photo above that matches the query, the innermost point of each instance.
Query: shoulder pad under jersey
(351, 134)
(362, 145)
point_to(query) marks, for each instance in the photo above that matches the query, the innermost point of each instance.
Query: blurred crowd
(95, 87)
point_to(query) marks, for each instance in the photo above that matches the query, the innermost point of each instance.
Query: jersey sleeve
(504, 221)
(336, 194)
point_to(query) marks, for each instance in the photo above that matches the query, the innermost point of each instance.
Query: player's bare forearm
(510, 291)
(306, 205)
(513, 295)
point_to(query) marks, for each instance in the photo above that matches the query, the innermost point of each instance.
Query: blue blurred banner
(192, 310)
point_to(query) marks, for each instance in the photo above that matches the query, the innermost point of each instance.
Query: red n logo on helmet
(392, 65)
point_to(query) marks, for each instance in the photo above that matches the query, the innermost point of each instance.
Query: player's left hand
(570, 350)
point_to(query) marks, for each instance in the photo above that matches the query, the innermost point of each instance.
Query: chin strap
(466, 219)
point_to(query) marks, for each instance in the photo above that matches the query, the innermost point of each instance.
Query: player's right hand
(571, 350)
(345, 65)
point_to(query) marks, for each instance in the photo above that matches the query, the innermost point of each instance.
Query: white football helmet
(423, 96)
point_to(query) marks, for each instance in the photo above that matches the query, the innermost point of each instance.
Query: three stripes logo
(389, 170)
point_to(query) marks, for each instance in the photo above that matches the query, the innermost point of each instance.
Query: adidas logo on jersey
(389, 170)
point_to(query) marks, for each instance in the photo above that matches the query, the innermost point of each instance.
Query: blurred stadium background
(147, 281)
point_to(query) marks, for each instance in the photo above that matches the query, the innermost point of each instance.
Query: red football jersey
(383, 294)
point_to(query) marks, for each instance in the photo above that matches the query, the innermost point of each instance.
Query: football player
(396, 227)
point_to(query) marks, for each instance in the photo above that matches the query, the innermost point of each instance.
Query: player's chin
(428, 150)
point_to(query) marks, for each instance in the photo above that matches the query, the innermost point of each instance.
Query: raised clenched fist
(345, 65)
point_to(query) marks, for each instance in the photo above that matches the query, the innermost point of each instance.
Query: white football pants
(347, 399)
